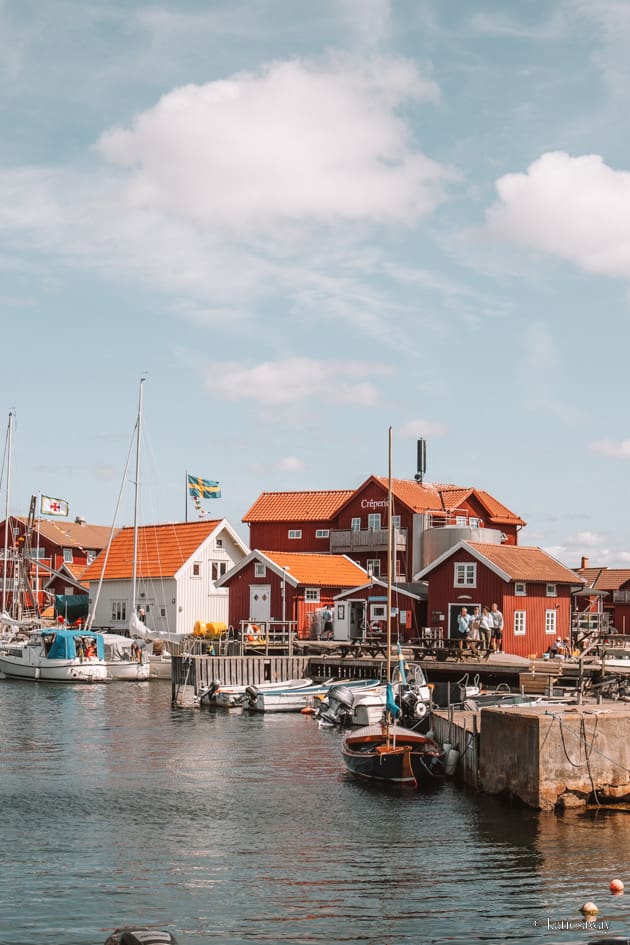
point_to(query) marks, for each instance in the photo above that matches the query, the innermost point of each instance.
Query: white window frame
(218, 543)
(378, 612)
(551, 621)
(395, 521)
(461, 520)
(355, 524)
(551, 590)
(374, 522)
(68, 556)
(474, 522)
(465, 574)
(260, 569)
(295, 534)
(322, 533)
(219, 568)
(119, 610)
(196, 569)
(520, 623)
(520, 589)
(373, 567)
(312, 595)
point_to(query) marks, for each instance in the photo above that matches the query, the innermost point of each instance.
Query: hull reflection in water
(394, 754)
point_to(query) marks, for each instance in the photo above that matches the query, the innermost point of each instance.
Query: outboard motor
(252, 694)
(141, 936)
(210, 690)
(339, 705)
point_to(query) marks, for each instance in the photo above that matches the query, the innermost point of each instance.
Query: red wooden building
(610, 594)
(354, 522)
(59, 553)
(287, 587)
(532, 590)
(364, 609)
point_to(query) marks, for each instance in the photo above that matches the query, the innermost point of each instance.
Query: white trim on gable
(421, 575)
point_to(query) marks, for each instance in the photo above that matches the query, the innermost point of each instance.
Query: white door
(259, 602)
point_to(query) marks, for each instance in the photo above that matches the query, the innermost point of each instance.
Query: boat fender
(451, 762)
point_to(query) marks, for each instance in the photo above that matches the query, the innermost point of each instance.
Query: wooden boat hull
(401, 756)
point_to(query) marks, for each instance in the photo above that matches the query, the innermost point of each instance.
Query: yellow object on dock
(214, 629)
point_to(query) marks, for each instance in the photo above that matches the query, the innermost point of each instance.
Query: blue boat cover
(390, 702)
(64, 645)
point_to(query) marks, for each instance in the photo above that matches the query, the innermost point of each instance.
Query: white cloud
(615, 450)
(587, 539)
(422, 427)
(501, 26)
(297, 380)
(576, 208)
(294, 141)
(292, 464)
(369, 19)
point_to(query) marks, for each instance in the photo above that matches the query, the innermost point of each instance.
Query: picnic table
(442, 650)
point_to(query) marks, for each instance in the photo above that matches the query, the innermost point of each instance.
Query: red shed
(364, 609)
(287, 586)
(532, 590)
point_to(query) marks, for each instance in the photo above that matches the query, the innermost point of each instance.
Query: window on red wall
(465, 574)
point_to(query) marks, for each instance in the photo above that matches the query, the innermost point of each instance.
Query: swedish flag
(203, 488)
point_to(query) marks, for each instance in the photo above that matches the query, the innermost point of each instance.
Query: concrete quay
(547, 756)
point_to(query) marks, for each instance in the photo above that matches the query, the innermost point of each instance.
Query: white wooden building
(178, 567)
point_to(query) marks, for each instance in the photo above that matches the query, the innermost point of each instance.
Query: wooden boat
(390, 752)
(55, 655)
(294, 700)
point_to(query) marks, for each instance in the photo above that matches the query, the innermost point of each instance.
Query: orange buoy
(616, 887)
(589, 908)
(307, 710)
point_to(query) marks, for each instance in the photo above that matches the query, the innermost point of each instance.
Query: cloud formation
(296, 381)
(576, 208)
(294, 141)
(611, 448)
(421, 427)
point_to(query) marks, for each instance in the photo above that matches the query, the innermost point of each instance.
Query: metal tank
(435, 541)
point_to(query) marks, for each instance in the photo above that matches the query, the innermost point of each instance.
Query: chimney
(421, 465)
(584, 562)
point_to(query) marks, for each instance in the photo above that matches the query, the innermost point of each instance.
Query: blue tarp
(64, 645)
(71, 606)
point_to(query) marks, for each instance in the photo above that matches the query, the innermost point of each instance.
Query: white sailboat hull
(35, 667)
(127, 670)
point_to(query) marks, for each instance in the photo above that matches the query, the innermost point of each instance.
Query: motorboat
(230, 697)
(124, 658)
(56, 655)
(296, 700)
(346, 706)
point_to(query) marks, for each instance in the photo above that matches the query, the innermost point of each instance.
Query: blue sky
(307, 222)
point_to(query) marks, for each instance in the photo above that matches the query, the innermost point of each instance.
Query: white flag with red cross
(52, 506)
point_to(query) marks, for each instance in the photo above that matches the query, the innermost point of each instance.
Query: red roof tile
(498, 513)
(297, 506)
(319, 570)
(526, 564)
(604, 579)
(72, 534)
(162, 550)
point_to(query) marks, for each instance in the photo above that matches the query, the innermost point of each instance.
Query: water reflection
(234, 828)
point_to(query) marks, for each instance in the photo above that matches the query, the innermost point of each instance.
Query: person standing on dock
(463, 628)
(328, 626)
(497, 628)
(485, 629)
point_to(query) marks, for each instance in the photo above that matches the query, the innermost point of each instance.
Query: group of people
(481, 629)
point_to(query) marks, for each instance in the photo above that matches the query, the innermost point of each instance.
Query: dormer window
(520, 589)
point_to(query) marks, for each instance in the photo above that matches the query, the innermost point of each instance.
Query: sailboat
(389, 752)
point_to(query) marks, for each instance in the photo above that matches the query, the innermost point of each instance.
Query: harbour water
(236, 829)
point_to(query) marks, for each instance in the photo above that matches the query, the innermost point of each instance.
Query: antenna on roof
(422, 460)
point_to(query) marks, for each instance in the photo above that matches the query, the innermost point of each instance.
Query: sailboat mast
(134, 575)
(6, 512)
(390, 543)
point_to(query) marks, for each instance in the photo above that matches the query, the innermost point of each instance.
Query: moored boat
(230, 697)
(124, 659)
(56, 655)
(295, 700)
(394, 754)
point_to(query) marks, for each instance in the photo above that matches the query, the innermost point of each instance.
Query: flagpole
(186, 497)
(6, 512)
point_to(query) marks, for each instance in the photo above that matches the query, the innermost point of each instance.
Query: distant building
(179, 567)
(59, 552)
(606, 591)
(532, 590)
